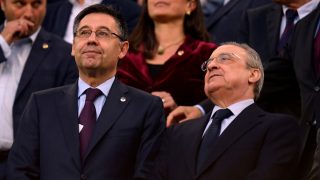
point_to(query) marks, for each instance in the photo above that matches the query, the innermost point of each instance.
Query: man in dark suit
(61, 14)
(31, 59)
(116, 134)
(304, 59)
(224, 24)
(251, 143)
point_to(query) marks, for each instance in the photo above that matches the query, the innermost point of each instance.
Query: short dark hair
(104, 9)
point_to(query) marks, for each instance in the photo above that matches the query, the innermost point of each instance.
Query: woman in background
(167, 48)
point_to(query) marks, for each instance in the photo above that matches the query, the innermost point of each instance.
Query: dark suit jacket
(122, 147)
(224, 24)
(301, 52)
(256, 145)
(262, 24)
(49, 65)
(57, 15)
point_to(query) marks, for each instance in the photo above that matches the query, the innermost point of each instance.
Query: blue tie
(288, 30)
(211, 136)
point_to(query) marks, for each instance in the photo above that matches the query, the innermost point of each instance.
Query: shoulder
(263, 9)
(199, 44)
(56, 90)
(276, 120)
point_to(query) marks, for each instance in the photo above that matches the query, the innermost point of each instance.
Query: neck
(169, 33)
(297, 4)
(93, 79)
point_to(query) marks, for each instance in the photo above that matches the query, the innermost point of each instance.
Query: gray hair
(253, 61)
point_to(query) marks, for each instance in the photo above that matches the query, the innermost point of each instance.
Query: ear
(123, 49)
(255, 75)
(192, 4)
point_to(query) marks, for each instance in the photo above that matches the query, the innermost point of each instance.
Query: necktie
(88, 118)
(316, 56)
(212, 6)
(211, 136)
(284, 39)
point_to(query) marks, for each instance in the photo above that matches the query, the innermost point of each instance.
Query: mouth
(214, 75)
(91, 52)
(161, 3)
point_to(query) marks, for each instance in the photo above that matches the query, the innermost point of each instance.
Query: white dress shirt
(235, 108)
(303, 11)
(10, 74)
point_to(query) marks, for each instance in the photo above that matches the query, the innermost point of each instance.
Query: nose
(92, 39)
(28, 12)
(212, 65)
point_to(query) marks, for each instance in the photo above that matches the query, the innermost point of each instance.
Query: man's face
(98, 55)
(31, 10)
(227, 74)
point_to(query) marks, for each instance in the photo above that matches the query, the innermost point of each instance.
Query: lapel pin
(123, 99)
(180, 53)
(45, 46)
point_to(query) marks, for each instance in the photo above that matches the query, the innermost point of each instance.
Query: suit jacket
(224, 24)
(122, 146)
(49, 65)
(58, 14)
(262, 24)
(301, 52)
(256, 145)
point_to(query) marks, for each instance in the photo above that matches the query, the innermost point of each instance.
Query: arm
(150, 139)
(23, 161)
(183, 113)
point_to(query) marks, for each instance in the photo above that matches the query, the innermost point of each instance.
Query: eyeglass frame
(204, 65)
(106, 30)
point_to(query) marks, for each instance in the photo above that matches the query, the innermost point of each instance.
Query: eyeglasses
(223, 58)
(100, 34)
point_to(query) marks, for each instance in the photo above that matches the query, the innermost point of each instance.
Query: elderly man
(237, 140)
(96, 128)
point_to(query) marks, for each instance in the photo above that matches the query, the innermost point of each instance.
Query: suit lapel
(68, 116)
(115, 103)
(214, 18)
(195, 136)
(36, 56)
(245, 121)
(273, 25)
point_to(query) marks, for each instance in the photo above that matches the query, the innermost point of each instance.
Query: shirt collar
(305, 9)
(104, 87)
(235, 108)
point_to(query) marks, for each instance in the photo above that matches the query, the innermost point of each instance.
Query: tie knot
(92, 94)
(220, 115)
(291, 15)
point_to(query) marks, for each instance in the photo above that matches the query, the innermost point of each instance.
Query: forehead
(95, 20)
(228, 49)
(25, 1)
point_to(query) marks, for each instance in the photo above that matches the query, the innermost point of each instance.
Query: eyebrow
(99, 27)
